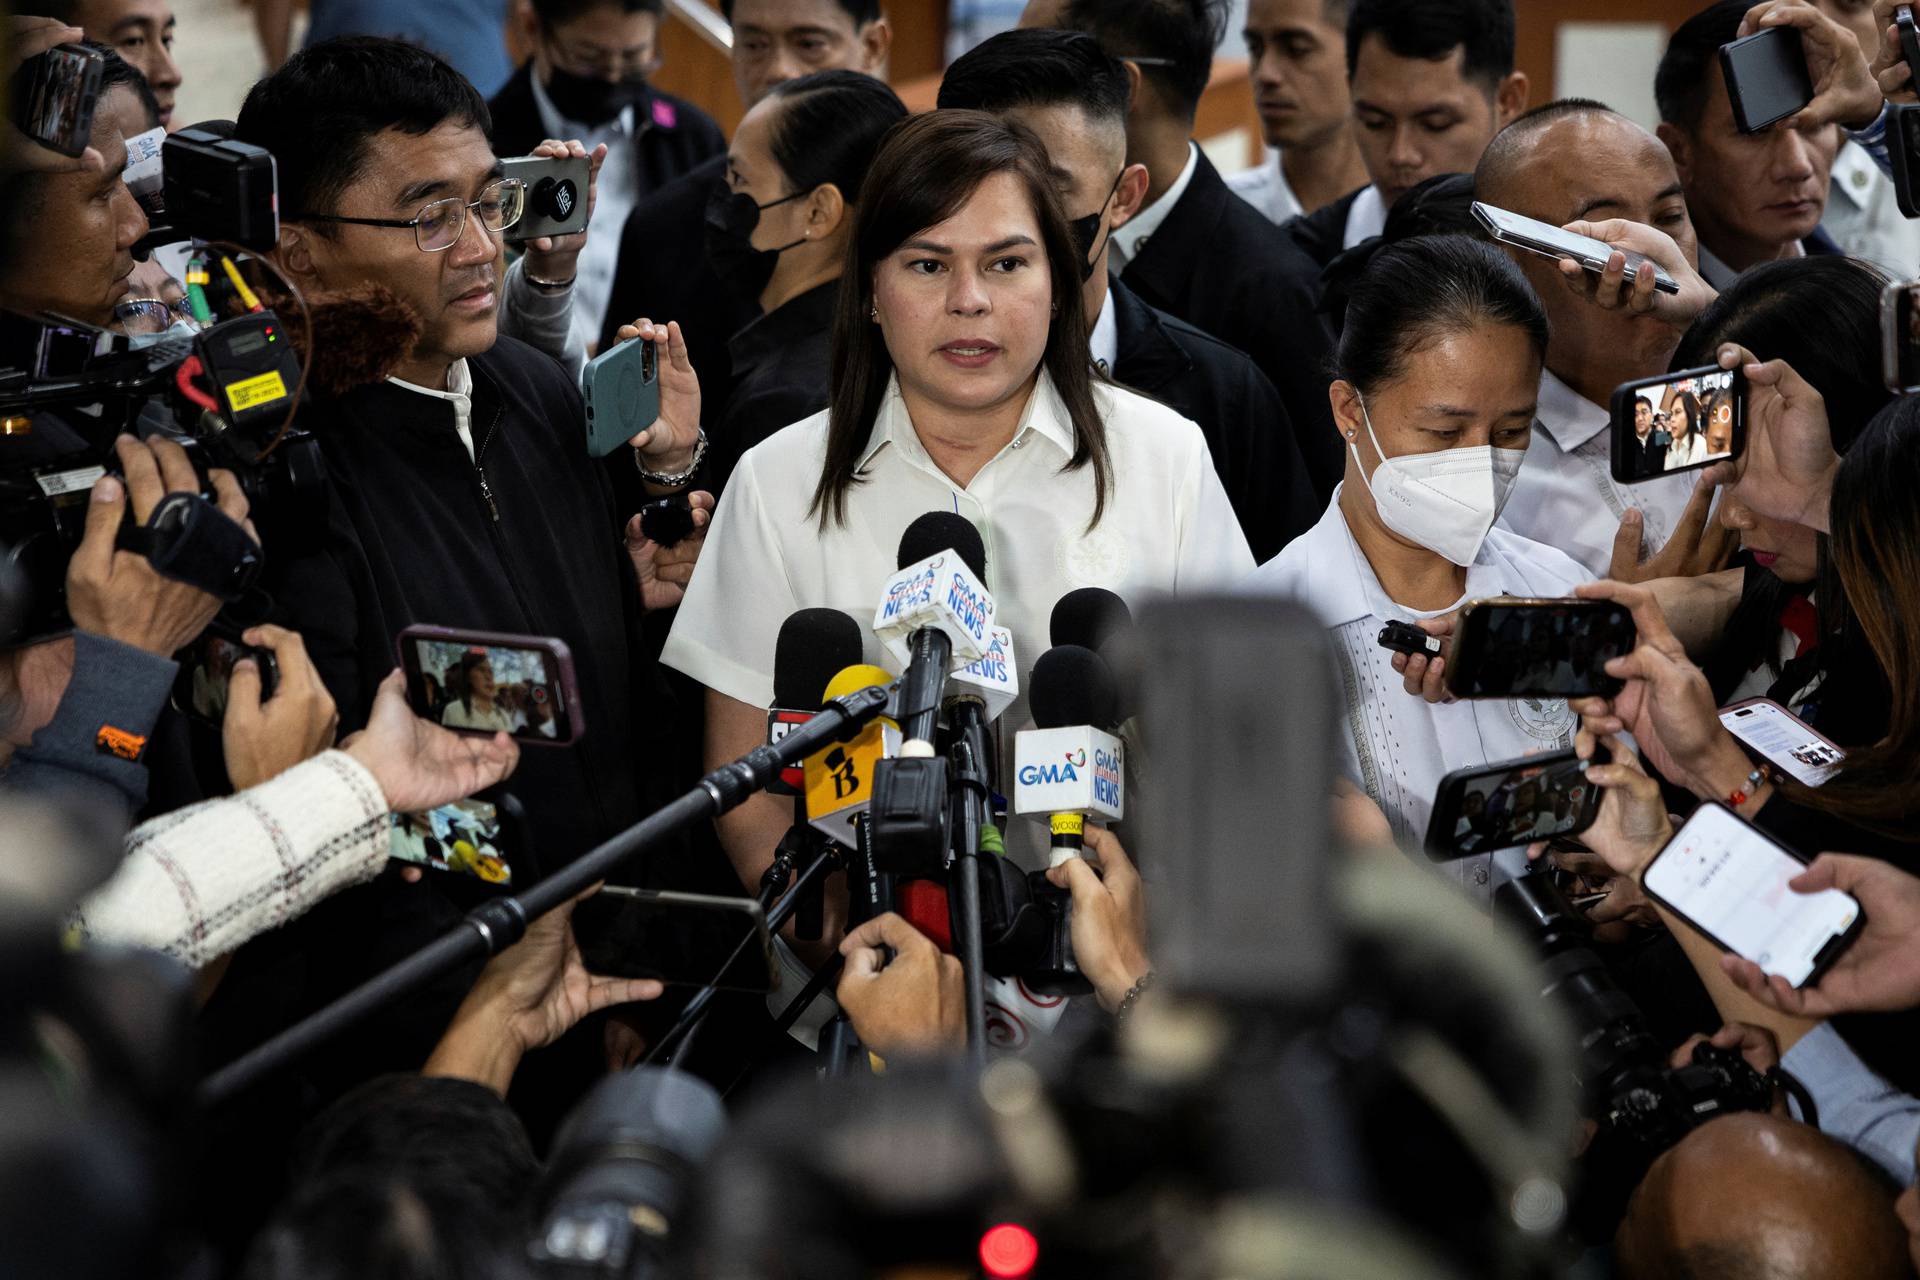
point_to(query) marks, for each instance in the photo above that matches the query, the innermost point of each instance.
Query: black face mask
(732, 217)
(591, 100)
(1086, 229)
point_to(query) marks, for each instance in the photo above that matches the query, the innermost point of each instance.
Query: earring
(873, 313)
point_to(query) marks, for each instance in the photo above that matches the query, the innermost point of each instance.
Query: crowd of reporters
(1041, 308)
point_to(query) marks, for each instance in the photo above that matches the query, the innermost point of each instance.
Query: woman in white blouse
(1439, 373)
(960, 383)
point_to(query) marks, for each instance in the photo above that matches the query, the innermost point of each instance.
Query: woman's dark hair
(928, 167)
(1876, 551)
(1438, 206)
(460, 677)
(1822, 316)
(1690, 414)
(829, 126)
(1425, 289)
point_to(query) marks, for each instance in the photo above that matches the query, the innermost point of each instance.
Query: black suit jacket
(1218, 263)
(1238, 410)
(671, 135)
(1322, 234)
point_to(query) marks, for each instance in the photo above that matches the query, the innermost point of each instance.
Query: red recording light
(1008, 1251)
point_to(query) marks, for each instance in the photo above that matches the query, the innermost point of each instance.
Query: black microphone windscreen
(1073, 685)
(218, 128)
(939, 531)
(814, 646)
(1089, 617)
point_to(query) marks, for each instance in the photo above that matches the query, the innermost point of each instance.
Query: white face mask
(1445, 501)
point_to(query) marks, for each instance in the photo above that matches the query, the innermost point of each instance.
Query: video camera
(1631, 1089)
(227, 392)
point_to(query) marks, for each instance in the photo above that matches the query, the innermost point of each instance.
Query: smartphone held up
(484, 683)
(1678, 422)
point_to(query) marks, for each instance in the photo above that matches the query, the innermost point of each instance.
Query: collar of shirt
(1130, 239)
(1721, 276)
(1568, 418)
(558, 126)
(1104, 345)
(1266, 188)
(459, 394)
(1366, 217)
(1340, 586)
(1856, 178)
(1045, 416)
(784, 327)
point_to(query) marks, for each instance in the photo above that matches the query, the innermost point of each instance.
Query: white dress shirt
(1366, 217)
(1397, 747)
(1716, 272)
(1104, 345)
(1130, 239)
(1168, 527)
(1265, 187)
(1864, 218)
(615, 194)
(1566, 495)
(459, 394)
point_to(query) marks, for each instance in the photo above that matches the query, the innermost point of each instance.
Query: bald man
(1571, 160)
(1761, 1197)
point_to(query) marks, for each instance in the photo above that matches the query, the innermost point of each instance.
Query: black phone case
(1903, 135)
(1822, 960)
(1620, 424)
(1439, 844)
(1766, 77)
(1469, 654)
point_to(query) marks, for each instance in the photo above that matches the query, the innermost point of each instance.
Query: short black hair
(116, 71)
(1184, 32)
(1679, 84)
(861, 11)
(1037, 67)
(829, 128)
(318, 113)
(1433, 29)
(554, 12)
(1419, 291)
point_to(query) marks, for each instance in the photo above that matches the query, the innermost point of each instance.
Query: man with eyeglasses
(462, 492)
(587, 79)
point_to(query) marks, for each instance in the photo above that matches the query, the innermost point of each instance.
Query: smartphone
(206, 666)
(481, 682)
(1766, 77)
(473, 837)
(1545, 648)
(681, 939)
(1512, 803)
(1774, 734)
(1678, 422)
(1903, 153)
(1550, 241)
(1909, 40)
(1728, 879)
(556, 196)
(54, 95)
(1404, 637)
(1900, 335)
(622, 390)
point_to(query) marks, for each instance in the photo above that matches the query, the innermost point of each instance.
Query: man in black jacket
(1065, 88)
(462, 494)
(1432, 82)
(587, 79)
(1195, 249)
(663, 261)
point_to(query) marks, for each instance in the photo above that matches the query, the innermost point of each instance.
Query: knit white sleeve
(199, 882)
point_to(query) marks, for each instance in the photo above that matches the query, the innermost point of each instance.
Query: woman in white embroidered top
(960, 383)
(1439, 369)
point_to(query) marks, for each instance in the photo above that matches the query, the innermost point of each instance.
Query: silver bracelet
(1132, 998)
(679, 478)
(549, 286)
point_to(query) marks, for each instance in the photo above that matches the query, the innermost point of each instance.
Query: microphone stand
(970, 782)
(499, 923)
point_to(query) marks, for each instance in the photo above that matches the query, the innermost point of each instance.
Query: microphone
(1097, 619)
(935, 614)
(839, 780)
(992, 680)
(1070, 766)
(814, 646)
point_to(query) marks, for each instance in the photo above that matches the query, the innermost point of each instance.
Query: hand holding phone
(54, 96)
(1879, 973)
(1730, 881)
(1516, 802)
(621, 387)
(1766, 77)
(1538, 648)
(1405, 637)
(1549, 241)
(1774, 734)
(1678, 422)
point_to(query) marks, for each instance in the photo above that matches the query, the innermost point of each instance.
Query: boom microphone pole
(498, 924)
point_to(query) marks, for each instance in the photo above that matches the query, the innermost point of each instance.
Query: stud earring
(873, 314)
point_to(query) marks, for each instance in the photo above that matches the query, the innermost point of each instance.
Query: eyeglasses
(440, 224)
(641, 62)
(137, 316)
